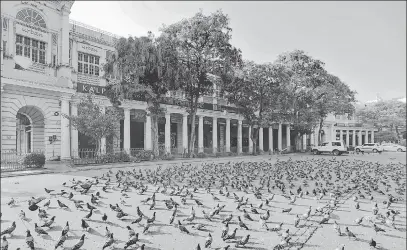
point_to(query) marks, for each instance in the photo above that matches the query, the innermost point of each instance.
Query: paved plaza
(260, 184)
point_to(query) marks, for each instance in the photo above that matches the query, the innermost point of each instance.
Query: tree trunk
(319, 131)
(191, 144)
(154, 130)
(192, 139)
(254, 136)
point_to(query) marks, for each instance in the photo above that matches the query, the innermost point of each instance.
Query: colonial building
(49, 61)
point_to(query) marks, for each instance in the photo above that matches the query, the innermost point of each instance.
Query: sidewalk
(54, 167)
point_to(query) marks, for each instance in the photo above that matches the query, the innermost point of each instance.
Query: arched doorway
(30, 135)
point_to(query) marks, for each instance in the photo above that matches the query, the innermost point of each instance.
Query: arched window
(32, 17)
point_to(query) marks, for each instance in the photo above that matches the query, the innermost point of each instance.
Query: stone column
(372, 137)
(227, 135)
(185, 133)
(347, 138)
(367, 137)
(103, 141)
(65, 136)
(354, 138)
(74, 132)
(168, 133)
(250, 140)
(280, 136)
(261, 148)
(239, 136)
(288, 137)
(360, 137)
(271, 146)
(341, 134)
(126, 130)
(333, 133)
(304, 141)
(215, 135)
(148, 141)
(200, 134)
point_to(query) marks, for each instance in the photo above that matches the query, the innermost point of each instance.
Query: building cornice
(35, 85)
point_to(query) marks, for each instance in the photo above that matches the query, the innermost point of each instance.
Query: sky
(363, 43)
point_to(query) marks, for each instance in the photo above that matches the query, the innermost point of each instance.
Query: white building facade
(49, 61)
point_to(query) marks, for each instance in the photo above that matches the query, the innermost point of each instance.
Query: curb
(146, 164)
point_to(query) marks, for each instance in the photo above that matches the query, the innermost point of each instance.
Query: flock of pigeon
(242, 198)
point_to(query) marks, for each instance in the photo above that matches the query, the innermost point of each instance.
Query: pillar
(239, 136)
(347, 138)
(367, 137)
(168, 133)
(288, 137)
(74, 132)
(261, 139)
(333, 133)
(250, 140)
(227, 135)
(304, 141)
(126, 130)
(341, 134)
(280, 137)
(148, 141)
(360, 137)
(185, 133)
(103, 141)
(65, 136)
(271, 147)
(200, 134)
(215, 135)
(372, 137)
(354, 138)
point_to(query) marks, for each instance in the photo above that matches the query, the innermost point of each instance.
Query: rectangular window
(88, 64)
(31, 48)
(4, 47)
(34, 58)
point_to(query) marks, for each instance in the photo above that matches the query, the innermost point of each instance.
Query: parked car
(369, 147)
(334, 147)
(393, 147)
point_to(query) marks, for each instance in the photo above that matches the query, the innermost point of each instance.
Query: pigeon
(372, 243)
(137, 220)
(378, 229)
(29, 240)
(225, 230)
(49, 223)
(39, 230)
(22, 215)
(84, 225)
(131, 232)
(288, 210)
(230, 236)
(89, 214)
(4, 244)
(104, 217)
(80, 243)
(297, 221)
(208, 241)
(11, 203)
(241, 224)
(10, 229)
(132, 241)
(61, 240)
(65, 230)
(146, 227)
(62, 205)
(243, 241)
(182, 228)
(349, 233)
(108, 242)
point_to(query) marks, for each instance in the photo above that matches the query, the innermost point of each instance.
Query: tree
(143, 65)
(384, 114)
(387, 136)
(255, 90)
(306, 75)
(93, 122)
(202, 51)
(332, 97)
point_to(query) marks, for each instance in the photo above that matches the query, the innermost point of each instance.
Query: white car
(369, 147)
(334, 147)
(393, 147)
